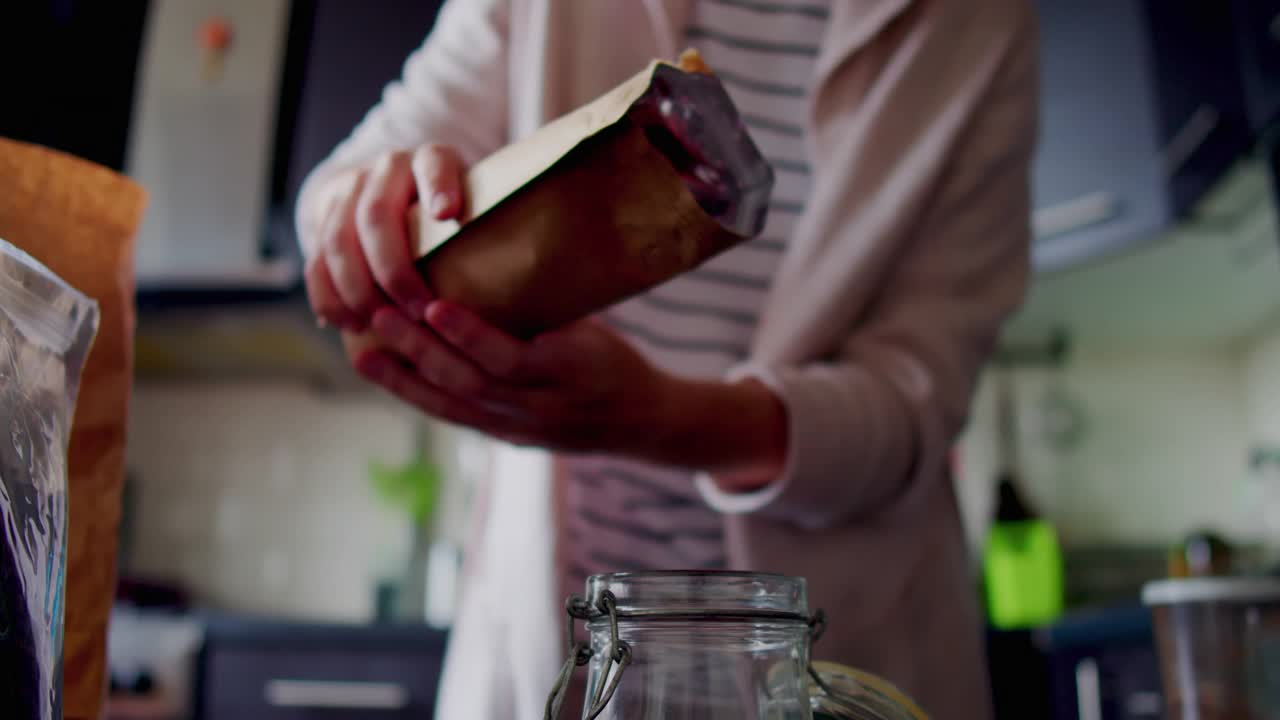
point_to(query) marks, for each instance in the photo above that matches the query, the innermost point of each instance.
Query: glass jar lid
(700, 595)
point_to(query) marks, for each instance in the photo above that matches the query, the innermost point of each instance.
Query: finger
(324, 299)
(438, 363)
(498, 353)
(346, 261)
(383, 233)
(383, 369)
(437, 171)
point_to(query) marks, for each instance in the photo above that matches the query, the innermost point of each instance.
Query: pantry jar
(1219, 643)
(685, 645)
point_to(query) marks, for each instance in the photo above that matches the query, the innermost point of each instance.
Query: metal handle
(1088, 690)
(619, 653)
(1193, 134)
(336, 695)
(1075, 214)
(1144, 704)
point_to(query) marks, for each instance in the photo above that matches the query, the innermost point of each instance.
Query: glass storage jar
(694, 645)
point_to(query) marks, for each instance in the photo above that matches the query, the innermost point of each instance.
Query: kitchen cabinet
(1103, 666)
(130, 85)
(1019, 674)
(1257, 24)
(283, 671)
(1141, 113)
(1091, 665)
(221, 134)
(1210, 281)
(201, 141)
(346, 53)
(66, 63)
(1119, 682)
(353, 50)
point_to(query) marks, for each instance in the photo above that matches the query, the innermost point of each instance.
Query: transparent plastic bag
(46, 330)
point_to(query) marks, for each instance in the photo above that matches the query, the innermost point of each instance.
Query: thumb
(437, 171)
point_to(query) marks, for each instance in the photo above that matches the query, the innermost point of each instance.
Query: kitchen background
(270, 510)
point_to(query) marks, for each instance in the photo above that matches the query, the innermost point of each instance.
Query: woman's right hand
(359, 255)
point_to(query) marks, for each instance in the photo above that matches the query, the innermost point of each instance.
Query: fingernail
(442, 317)
(439, 203)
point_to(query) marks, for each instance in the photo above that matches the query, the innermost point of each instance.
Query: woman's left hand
(580, 388)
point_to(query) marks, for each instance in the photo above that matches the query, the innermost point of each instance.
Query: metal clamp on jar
(712, 646)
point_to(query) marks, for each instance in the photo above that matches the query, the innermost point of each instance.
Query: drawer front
(286, 684)
(1116, 682)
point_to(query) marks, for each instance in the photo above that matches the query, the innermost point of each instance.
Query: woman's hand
(357, 242)
(579, 389)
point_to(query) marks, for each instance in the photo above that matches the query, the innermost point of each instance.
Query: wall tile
(1161, 447)
(256, 494)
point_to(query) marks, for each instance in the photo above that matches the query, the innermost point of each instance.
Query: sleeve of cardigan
(878, 416)
(453, 91)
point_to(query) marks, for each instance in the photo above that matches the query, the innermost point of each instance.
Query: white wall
(1262, 376)
(256, 495)
(1176, 374)
(1162, 446)
(1260, 370)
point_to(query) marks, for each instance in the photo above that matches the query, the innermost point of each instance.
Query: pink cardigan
(912, 250)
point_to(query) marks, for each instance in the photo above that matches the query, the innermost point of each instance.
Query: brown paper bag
(581, 214)
(79, 219)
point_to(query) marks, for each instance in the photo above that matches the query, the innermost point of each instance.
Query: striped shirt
(624, 515)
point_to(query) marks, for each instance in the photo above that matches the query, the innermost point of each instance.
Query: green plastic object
(413, 488)
(1022, 570)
